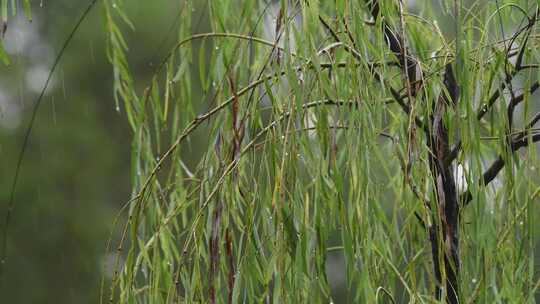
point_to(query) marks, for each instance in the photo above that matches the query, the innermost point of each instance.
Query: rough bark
(447, 198)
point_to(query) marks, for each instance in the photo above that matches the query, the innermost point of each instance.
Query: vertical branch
(438, 143)
(214, 251)
(446, 194)
(411, 129)
(230, 260)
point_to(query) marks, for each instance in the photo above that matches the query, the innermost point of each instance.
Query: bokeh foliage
(75, 173)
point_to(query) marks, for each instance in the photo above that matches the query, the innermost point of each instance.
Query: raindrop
(521, 223)
(114, 5)
(474, 280)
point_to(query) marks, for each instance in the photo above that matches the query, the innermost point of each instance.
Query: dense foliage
(397, 138)
(361, 128)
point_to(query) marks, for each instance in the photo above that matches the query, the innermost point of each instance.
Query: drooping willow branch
(232, 165)
(493, 170)
(140, 198)
(197, 121)
(444, 239)
(400, 100)
(485, 107)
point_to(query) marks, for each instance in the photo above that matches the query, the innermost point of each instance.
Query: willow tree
(397, 135)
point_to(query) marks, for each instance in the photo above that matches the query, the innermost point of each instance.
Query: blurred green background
(76, 171)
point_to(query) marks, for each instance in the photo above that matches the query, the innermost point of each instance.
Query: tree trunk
(447, 198)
